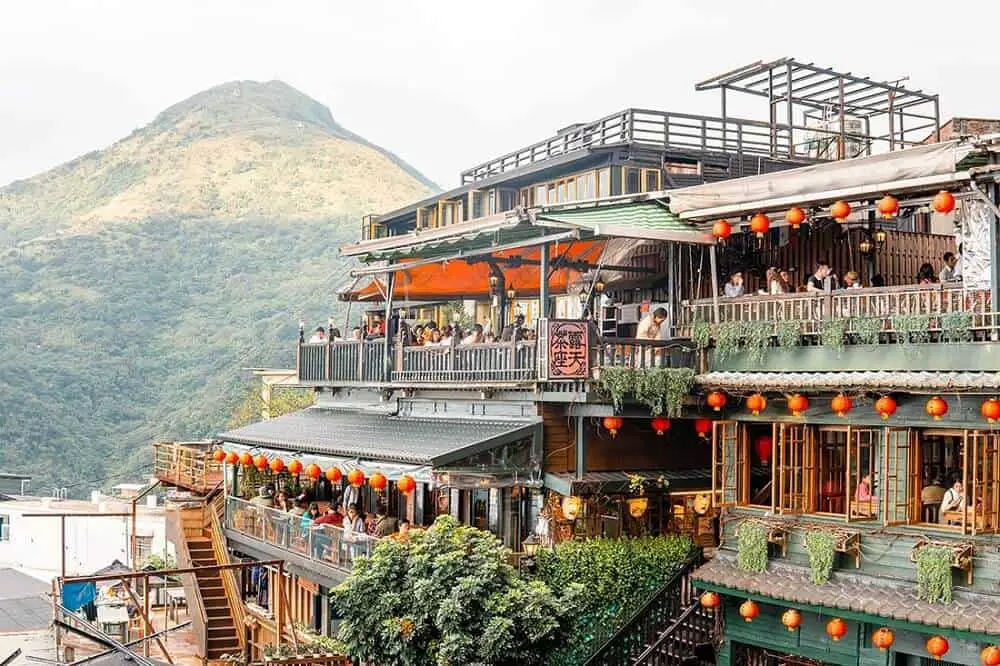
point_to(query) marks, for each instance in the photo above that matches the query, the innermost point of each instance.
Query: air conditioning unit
(824, 136)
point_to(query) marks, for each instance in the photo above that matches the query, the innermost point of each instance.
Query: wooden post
(62, 545)
(279, 612)
(145, 616)
(133, 541)
(143, 610)
(713, 268)
(543, 287)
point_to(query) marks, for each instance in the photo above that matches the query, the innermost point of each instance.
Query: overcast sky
(447, 83)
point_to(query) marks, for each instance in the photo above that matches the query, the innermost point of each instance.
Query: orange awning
(459, 279)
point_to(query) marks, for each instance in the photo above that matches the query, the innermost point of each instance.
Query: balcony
(187, 465)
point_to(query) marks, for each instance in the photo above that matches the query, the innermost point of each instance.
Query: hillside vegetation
(140, 281)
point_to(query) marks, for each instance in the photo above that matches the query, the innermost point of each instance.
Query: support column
(390, 286)
(994, 252)
(713, 267)
(543, 286)
(581, 449)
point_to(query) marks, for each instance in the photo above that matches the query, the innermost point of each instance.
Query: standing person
(734, 288)
(649, 327)
(319, 335)
(354, 531)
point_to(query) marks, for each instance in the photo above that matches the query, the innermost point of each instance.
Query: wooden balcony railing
(187, 465)
(642, 354)
(887, 307)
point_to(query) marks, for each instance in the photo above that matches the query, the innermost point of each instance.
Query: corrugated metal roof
(646, 219)
(930, 382)
(22, 604)
(403, 439)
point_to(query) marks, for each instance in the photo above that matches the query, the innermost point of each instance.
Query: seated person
(926, 275)
(947, 273)
(852, 280)
(954, 500)
(319, 335)
(817, 281)
(866, 504)
(734, 288)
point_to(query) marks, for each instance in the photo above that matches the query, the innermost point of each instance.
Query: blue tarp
(77, 595)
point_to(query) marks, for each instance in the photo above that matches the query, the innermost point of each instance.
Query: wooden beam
(143, 610)
(167, 572)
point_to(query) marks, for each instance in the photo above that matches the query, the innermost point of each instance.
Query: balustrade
(186, 465)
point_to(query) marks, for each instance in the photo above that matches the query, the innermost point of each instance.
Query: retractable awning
(652, 220)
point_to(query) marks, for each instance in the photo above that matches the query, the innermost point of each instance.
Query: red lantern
(756, 403)
(378, 481)
(937, 646)
(722, 230)
(710, 600)
(888, 206)
(661, 425)
(749, 610)
(406, 484)
(759, 224)
(991, 410)
(356, 478)
(703, 427)
(314, 471)
(613, 424)
(836, 628)
(295, 468)
(260, 462)
(990, 656)
(218, 455)
(763, 446)
(795, 216)
(797, 404)
(885, 406)
(791, 618)
(883, 638)
(334, 475)
(277, 465)
(841, 404)
(840, 211)
(246, 459)
(943, 202)
(936, 408)
(232, 458)
(716, 400)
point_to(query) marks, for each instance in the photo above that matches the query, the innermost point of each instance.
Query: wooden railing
(886, 306)
(196, 609)
(681, 641)
(187, 465)
(633, 353)
(214, 512)
(648, 625)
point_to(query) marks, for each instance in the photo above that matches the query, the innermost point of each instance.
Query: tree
(283, 401)
(448, 597)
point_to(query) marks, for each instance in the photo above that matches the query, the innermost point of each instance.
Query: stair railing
(229, 582)
(199, 617)
(677, 644)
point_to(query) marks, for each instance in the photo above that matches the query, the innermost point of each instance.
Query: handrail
(685, 621)
(186, 465)
(229, 582)
(199, 616)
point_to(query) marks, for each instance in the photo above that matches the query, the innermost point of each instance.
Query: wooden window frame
(793, 469)
(730, 464)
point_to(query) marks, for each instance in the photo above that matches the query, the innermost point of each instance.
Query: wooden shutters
(730, 469)
(982, 482)
(795, 469)
(900, 480)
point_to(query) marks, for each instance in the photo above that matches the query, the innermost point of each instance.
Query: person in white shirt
(649, 327)
(318, 336)
(475, 337)
(947, 273)
(954, 500)
(852, 280)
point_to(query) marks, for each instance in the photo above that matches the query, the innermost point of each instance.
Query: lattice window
(730, 464)
(795, 469)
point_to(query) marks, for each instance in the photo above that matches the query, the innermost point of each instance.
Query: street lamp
(511, 293)
(865, 246)
(599, 286)
(530, 546)
(880, 237)
(494, 281)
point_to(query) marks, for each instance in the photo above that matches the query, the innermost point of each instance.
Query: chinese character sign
(568, 349)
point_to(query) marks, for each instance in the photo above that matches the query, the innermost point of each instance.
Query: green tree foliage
(283, 401)
(448, 597)
(618, 576)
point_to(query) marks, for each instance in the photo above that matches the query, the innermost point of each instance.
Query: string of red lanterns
(716, 400)
(756, 403)
(295, 467)
(840, 211)
(760, 224)
(990, 656)
(836, 629)
(883, 638)
(795, 216)
(749, 610)
(722, 230)
(798, 404)
(792, 619)
(991, 410)
(841, 404)
(378, 482)
(936, 407)
(703, 427)
(937, 646)
(943, 202)
(888, 206)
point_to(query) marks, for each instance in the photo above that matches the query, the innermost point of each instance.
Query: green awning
(646, 219)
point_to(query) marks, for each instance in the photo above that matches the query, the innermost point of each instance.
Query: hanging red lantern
(722, 230)
(277, 465)
(378, 481)
(295, 467)
(991, 410)
(795, 216)
(943, 202)
(232, 458)
(937, 646)
(749, 610)
(356, 478)
(716, 400)
(661, 425)
(260, 462)
(314, 471)
(797, 404)
(836, 628)
(885, 406)
(840, 210)
(406, 484)
(883, 638)
(888, 206)
(246, 459)
(841, 404)
(990, 656)
(760, 224)
(334, 475)
(756, 403)
(218, 455)
(936, 407)
(791, 618)
(710, 600)
(703, 427)
(613, 424)
(763, 446)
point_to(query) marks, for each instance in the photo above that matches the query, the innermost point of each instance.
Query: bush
(618, 577)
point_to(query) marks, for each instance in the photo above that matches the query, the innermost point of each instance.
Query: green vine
(911, 328)
(752, 547)
(867, 329)
(663, 389)
(934, 574)
(789, 333)
(831, 333)
(701, 334)
(617, 382)
(756, 338)
(820, 546)
(727, 339)
(956, 327)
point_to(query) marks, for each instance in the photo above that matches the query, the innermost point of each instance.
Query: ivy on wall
(831, 333)
(820, 545)
(752, 547)
(661, 389)
(934, 578)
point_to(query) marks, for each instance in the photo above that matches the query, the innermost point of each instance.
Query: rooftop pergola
(840, 114)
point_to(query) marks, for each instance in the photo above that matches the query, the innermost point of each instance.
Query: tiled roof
(376, 436)
(882, 597)
(915, 381)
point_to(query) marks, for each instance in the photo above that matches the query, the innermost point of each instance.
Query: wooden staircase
(221, 636)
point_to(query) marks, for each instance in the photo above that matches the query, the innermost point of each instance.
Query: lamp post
(511, 295)
(584, 299)
(530, 545)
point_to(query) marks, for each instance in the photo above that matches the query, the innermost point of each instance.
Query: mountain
(140, 281)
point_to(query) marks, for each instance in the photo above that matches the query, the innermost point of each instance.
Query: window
(4, 527)
(794, 469)
(730, 468)
(604, 182)
(143, 547)
(586, 186)
(631, 181)
(540, 195)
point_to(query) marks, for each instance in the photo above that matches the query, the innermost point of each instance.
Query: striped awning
(644, 219)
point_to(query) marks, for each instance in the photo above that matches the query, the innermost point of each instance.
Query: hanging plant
(727, 339)
(701, 333)
(934, 583)
(616, 382)
(911, 328)
(831, 333)
(663, 389)
(867, 329)
(636, 484)
(956, 327)
(821, 548)
(752, 547)
(756, 338)
(789, 333)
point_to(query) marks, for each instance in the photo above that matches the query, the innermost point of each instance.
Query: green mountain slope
(139, 280)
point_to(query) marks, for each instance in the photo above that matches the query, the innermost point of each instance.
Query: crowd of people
(427, 334)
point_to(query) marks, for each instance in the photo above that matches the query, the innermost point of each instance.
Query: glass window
(652, 180)
(586, 186)
(540, 195)
(604, 182)
(632, 181)
(4, 528)
(563, 190)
